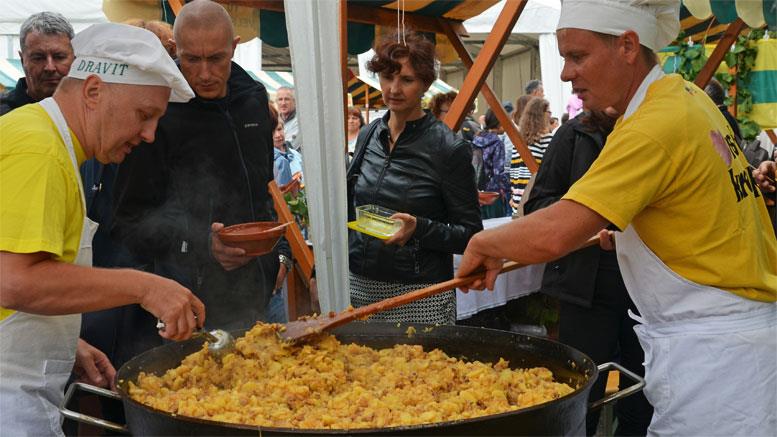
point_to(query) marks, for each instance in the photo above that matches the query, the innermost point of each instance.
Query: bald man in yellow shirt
(114, 96)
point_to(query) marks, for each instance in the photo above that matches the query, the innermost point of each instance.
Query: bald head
(109, 119)
(205, 43)
(200, 14)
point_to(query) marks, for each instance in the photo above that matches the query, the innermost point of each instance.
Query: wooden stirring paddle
(304, 328)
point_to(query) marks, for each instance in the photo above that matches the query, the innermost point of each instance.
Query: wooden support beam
(772, 136)
(729, 37)
(493, 102)
(298, 280)
(176, 6)
(302, 253)
(358, 13)
(484, 62)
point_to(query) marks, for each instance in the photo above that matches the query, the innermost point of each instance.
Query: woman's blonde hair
(520, 105)
(534, 123)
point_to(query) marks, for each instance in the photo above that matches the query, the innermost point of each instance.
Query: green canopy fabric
(706, 20)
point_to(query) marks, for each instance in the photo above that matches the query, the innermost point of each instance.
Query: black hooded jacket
(15, 98)
(210, 162)
(429, 175)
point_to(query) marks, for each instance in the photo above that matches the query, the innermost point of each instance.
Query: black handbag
(355, 167)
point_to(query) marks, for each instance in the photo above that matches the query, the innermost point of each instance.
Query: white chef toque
(119, 53)
(657, 22)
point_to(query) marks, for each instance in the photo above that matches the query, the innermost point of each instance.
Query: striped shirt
(519, 173)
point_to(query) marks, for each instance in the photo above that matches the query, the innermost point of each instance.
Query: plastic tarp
(315, 58)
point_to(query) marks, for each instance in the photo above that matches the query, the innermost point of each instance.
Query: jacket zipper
(242, 163)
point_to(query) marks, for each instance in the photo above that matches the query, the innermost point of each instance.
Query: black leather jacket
(430, 176)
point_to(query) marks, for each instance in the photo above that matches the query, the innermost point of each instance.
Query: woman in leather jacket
(410, 162)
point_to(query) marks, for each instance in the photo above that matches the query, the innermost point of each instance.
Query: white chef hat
(119, 53)
(657, 22)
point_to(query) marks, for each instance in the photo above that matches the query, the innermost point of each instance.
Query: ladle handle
(199, 332)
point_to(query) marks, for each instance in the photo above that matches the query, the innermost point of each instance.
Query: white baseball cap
(119, 53)
(657, 22)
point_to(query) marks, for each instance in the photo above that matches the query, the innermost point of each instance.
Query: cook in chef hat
(656, 22)
(119, 53)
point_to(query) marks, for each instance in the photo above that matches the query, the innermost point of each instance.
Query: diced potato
(330, 385)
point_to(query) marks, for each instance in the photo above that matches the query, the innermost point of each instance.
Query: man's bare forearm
(40, 285)
(543, 236)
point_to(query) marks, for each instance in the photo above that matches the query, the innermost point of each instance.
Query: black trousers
(605, 333)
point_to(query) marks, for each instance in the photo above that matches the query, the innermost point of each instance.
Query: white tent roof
(539, 16)
(80, 13)
(537, 21)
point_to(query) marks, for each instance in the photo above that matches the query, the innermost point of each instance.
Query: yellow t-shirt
(673, 170)
(40, 201)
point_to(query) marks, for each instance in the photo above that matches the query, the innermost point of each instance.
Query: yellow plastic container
(375, 221)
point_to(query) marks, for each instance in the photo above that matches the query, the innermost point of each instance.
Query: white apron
(37, 352)
(710, 356)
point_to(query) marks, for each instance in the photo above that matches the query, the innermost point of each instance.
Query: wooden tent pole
(772, 136)
(176, 6)
(493, 102)
(725, 43)
(298, 282)
(476, 76)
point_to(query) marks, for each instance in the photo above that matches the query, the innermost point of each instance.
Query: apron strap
(52, 108)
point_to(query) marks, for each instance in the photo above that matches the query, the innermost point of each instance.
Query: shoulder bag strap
(355, 168)
(361, 147)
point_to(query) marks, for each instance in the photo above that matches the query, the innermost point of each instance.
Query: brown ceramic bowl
(257, 238)
(487, 197)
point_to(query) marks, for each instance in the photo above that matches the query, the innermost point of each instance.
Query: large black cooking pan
(563, 416)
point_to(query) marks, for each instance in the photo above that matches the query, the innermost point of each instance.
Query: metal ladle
(220, 342)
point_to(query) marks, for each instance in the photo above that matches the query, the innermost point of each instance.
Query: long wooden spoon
(304, 328)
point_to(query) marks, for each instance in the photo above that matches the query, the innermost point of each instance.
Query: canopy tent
(722, 21)
(359, 86)
(706, 20)
(266, 20)
(80, 13)
(361, 92)
(534, 30)
(272, 80)
(762, 84)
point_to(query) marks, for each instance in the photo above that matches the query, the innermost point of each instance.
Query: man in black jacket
(46, 54)
(208, 167)
(593, 300)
